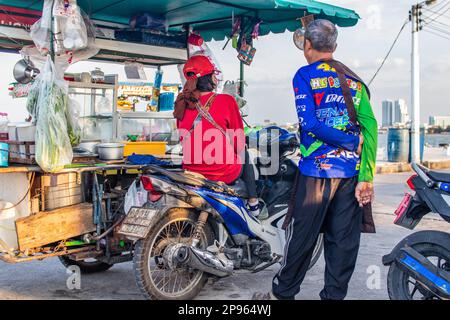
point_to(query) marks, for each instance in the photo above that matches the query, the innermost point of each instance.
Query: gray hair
(322, 34)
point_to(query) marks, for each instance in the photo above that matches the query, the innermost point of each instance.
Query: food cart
(74, 213)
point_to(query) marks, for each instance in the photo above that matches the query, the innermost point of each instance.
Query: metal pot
(24, 71)
(110, 151)
(90, 146)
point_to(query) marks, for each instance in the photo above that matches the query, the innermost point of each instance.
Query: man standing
(336, 169)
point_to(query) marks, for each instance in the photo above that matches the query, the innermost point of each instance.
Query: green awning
(212, 18)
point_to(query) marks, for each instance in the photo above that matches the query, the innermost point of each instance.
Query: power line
(389, 51)
(447, 32)
(439, 22)
(439, 15)
(436, 34)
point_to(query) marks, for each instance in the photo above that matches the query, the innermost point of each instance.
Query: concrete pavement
(47, 279)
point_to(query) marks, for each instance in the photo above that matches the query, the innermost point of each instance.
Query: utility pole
(416, 26)
(415, 84)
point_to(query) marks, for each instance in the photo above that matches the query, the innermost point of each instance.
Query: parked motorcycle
(419, 266)
(193, 229)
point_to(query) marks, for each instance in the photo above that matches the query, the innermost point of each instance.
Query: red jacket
(205, 149)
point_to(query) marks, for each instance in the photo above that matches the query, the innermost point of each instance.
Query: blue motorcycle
(192, 229)
(419, 266)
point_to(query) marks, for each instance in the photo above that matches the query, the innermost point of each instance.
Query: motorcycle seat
(194, 179)
(439, 176)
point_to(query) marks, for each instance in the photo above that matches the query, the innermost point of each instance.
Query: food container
(98, 75)
(61, 190)
(89, 145)
(145, 147)
(4, 154)
(110, 151)
(12, 132)
(26, 132)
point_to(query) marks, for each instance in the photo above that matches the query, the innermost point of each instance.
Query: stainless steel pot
(90, 145)
(110, 151)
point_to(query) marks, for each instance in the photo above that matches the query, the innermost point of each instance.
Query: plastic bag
(73, 127)
(73, 30)
(53, 148)
(232, 88)
(147, 20)
(40, 32)
(136, 197)
(74, 36)
(196, 46)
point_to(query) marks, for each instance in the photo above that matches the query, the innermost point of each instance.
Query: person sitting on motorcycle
(211, 129)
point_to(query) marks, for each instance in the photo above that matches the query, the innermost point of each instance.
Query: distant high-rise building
(400, 112)
(387, 108)
(394, 112)
(441, 121)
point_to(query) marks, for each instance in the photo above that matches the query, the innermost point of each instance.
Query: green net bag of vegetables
(53, 147)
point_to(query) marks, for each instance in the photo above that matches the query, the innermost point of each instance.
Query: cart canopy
(212, 18)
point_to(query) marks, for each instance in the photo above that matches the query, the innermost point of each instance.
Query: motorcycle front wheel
(155, 277)
(402, 286)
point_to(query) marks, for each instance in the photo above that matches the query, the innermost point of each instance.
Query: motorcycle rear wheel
(402, 286)
(148, 262)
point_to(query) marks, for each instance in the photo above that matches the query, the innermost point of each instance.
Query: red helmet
(198, 65)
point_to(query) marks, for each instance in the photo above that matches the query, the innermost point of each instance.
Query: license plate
(137, 222)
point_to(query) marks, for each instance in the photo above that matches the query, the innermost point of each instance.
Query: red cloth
(205, 149)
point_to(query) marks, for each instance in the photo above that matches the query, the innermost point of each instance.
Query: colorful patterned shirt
(328, 140)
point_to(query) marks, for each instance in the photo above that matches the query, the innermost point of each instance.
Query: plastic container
(398, 145)
(26, 132)
(8, 216)
(12, 132)
(145, 148)
(166, 101)
(4, 133)
(4, 154)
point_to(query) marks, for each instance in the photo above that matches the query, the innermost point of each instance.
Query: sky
(362, 48)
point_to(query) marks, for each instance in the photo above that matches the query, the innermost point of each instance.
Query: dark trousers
(248, 176)
(328, 206)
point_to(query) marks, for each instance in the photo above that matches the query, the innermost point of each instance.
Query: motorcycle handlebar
(421, 172)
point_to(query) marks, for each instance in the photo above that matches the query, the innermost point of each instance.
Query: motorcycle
(419, 266)
(192, 229)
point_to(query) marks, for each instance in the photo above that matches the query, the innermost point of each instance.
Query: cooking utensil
(110, 151)
(90, 146)
(24, 71)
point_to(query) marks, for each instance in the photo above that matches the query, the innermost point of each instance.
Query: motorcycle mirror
(24, 71)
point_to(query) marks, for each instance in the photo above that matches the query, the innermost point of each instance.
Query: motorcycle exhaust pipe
(203, 261)
(430, 276)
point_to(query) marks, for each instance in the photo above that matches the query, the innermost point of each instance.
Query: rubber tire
(141, 252)
(316, 256)
(85, 267)
(396, 274)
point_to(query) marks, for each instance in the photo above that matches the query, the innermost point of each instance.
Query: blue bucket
(4, 154)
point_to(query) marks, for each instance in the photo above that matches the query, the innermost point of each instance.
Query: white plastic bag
(72, 26)
(73, 126)
(135, 197)
(40, 32)
(53, 148)
(74, 35)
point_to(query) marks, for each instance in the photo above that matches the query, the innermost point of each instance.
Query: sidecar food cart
(74, 213)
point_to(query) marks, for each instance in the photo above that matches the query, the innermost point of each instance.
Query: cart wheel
(86, 266)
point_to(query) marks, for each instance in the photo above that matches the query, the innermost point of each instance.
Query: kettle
(24, 71)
